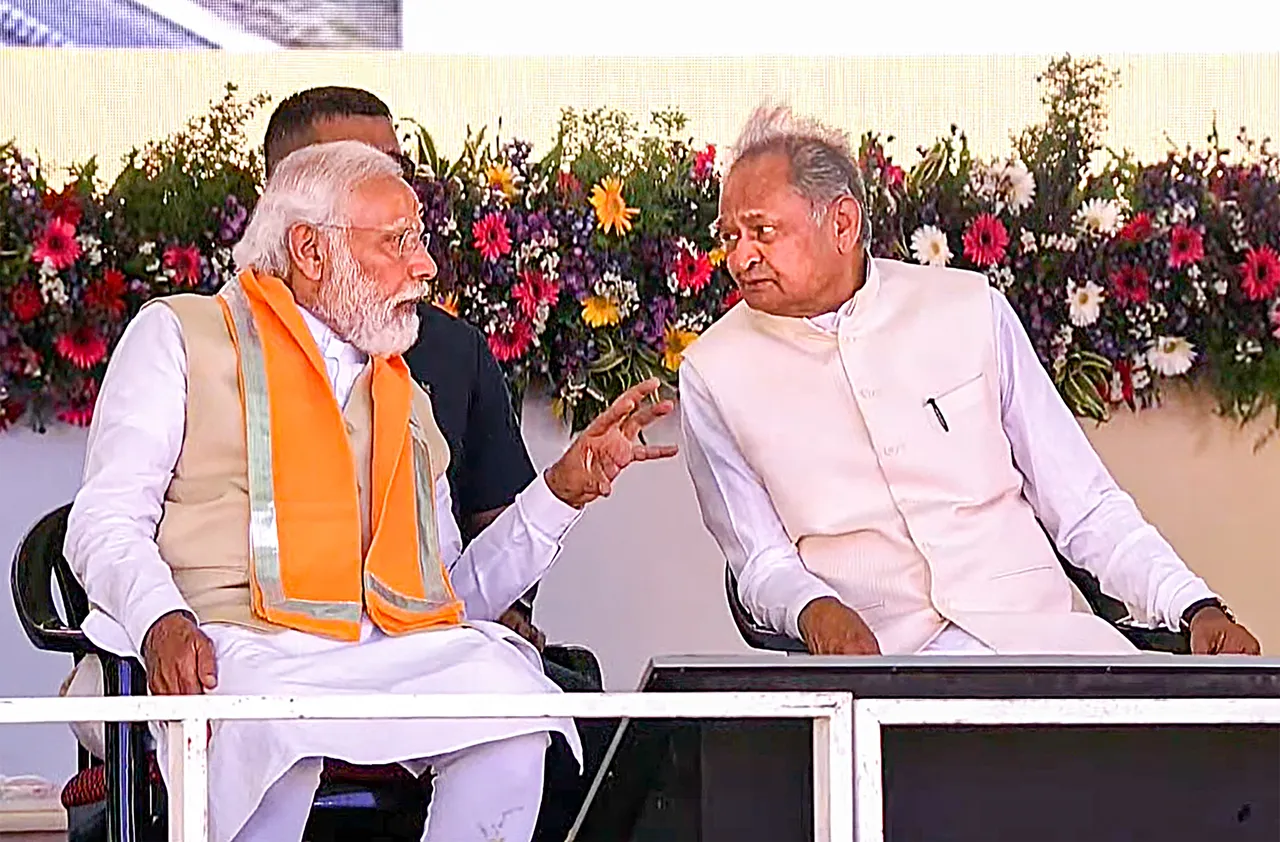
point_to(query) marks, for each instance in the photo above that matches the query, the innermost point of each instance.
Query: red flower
(894, 175)
(10, 411)
(20, 359)
(57, 244)
(1131, 285)
(65, 205)
(83, 347)
(1261, 273)
(491, 237)
(512, 343)
(704, 163)
(567, 183)
(1136, 230)
(184, 262)
(106, 293)
(1275, 319)
(533, 290)
(1186, 246)
(25, 302)
(731, 298)
(985, 240)
(692, 269)
(79, 410)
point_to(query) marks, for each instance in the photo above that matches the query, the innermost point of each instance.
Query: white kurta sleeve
(773, 583)
(508, 555)
(1092, 520)
(133, 445)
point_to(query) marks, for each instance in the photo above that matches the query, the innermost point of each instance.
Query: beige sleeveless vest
(204, 529)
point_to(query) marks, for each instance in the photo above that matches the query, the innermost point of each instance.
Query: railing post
(188, 742)
(833, 773)
(868, 773)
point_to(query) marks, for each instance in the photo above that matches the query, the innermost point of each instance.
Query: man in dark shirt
(488, 463)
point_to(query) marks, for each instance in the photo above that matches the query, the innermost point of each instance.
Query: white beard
(349, 304)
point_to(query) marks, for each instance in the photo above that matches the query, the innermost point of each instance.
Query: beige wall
(1197, 477)
(71, 105)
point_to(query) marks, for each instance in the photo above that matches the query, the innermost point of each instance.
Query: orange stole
(316, 501)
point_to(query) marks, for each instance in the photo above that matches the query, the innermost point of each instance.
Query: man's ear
(846, 216)
(307, 251)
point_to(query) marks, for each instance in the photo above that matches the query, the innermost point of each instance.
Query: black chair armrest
(755, 635)
(31, 579)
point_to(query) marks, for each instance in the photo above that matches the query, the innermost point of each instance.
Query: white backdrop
(639, 575)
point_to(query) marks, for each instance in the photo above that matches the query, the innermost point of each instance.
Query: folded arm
(1092, 520)
(773, 583)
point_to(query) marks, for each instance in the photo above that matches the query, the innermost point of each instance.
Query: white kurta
(1091, 519)
(133, 446)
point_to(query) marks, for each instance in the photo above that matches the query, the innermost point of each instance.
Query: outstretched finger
(645, 452)
(645, 416)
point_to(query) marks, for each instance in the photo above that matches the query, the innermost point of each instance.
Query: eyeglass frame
(424, 235)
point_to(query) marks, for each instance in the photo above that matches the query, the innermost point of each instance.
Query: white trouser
(486, 792)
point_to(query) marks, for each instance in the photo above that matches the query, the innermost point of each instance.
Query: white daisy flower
(929, 246)
(1028, 241)
(1019, 186)
(1171, 355)
(1084, 303)
(1100, 217)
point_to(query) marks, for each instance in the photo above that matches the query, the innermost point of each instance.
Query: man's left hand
(515, 619)
(609, 443)
(1214, 633)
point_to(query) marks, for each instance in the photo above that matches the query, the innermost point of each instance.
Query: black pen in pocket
(933, 404)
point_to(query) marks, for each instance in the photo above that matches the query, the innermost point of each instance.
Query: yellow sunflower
(674, 345)
(600, 311)
(716, 255)
(501, 177)
(611, 208)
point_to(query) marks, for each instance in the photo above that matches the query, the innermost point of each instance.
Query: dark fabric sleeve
(496, 466)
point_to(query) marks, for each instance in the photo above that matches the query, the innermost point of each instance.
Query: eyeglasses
(405, 239)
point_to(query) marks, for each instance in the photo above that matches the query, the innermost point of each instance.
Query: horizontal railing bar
(1157, 711)
(697, 705)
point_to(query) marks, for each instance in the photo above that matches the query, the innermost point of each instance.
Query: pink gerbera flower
(985, 240)
(491, 237)
(79, 410)
(533, 290)
(1131, 285)
(1261, 273)
(106, 293)
(25, 302)
(704, 163)
(1186, 246)
(692, 269)
(83, 347)
(731, 298)
(184, 262)
(57, 244)
(1136, 230)
(511, 343)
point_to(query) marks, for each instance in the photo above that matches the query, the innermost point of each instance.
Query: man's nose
(744, 257)
(421, 266)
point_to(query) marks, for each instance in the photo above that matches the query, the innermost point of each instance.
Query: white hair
(311, 185)
(821, 159)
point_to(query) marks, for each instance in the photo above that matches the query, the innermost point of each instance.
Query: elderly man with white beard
(265, 511)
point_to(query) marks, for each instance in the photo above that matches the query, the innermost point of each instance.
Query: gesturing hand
(829, 627)
(180, 660)
(609, 443)
(1214, 633)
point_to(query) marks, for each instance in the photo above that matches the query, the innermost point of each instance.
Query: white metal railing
(871, 715)
(189, 718)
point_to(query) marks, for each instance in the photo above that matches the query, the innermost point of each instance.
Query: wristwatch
(1194, 608)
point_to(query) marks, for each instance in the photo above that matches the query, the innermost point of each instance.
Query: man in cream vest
(875, 444)
(265, 511)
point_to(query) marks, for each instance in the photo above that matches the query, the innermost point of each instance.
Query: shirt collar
(830, 322)
(330, 345)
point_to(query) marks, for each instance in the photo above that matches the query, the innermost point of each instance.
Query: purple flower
(232, 217)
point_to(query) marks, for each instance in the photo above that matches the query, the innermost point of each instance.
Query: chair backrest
(37, 566)
(755, 635)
